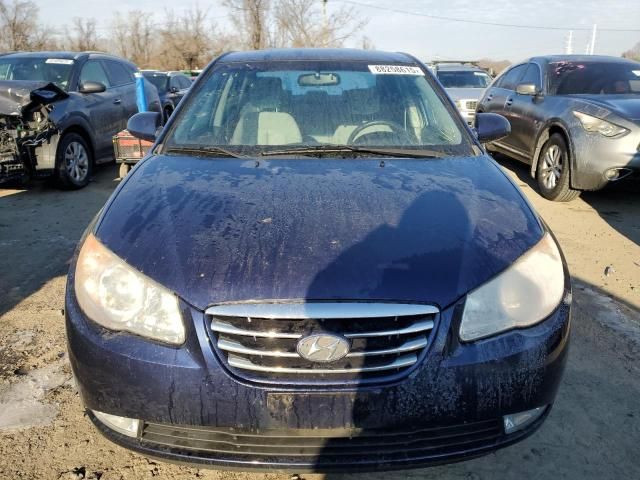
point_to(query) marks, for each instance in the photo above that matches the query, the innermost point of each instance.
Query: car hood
(627, 106)
(219, 230)
(18, 96)
(465, 93)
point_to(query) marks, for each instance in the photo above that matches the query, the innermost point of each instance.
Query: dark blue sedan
(317, 268)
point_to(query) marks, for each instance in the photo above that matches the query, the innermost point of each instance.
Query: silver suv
(465, 83)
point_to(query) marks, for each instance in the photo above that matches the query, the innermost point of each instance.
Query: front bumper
(450, 408)
(595, 156)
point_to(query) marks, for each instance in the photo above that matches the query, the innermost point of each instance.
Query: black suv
(60, 110)
(172, 86)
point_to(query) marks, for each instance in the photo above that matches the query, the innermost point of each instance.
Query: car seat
(261, 122)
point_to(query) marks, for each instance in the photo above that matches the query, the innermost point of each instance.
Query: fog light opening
(614, 174)
(125, 426)
(520, 420)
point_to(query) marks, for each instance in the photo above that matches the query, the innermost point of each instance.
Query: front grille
(472, 105)
(258, 341)
(323, 446)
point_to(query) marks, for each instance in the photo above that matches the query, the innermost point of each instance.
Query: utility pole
(593, 39)
(325, 26)
(568, 46)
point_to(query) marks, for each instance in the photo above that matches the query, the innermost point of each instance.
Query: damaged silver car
(59, 112)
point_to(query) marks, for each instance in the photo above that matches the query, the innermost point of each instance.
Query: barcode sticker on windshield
(395, 70)
(59, 61)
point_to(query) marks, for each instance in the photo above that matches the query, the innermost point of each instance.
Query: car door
(504, 101)
(496, 95)
(103, 109)
(523, 111)
(124, 87)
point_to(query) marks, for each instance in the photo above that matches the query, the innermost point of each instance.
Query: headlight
(523, 295)
(597, 125)
(118, 297)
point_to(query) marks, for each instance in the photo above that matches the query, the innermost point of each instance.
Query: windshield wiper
(208, 151)
(387, 152)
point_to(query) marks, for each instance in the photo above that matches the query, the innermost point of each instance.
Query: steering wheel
(395, 128)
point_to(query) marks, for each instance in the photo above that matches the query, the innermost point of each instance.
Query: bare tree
(188, 41)
(133, 38)
(20, 27)
(303, 23)
(367, 43)
(493, 66)
(633, 53)
(83, 35)
(251, 18)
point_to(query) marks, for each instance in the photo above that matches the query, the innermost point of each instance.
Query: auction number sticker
(395, 70)
(60, 61)
(636, 73)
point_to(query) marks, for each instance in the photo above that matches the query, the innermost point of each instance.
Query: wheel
(554, 171)
(124, 169)
(395, 128)
(73, 162)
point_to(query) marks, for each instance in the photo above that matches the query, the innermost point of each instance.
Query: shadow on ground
(618, 205)
(596, 403)
(39, 229)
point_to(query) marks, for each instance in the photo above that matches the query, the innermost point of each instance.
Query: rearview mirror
(174, 89)
(527, 89)
(92, 87)
(318, 79)
(144, 125)
(491, 126)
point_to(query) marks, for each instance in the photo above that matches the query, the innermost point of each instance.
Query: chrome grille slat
(300, 310)
(243, 363)
(222, 327)
(235, 347)
(260, 341)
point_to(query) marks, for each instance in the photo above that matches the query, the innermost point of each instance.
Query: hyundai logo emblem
(323, 348)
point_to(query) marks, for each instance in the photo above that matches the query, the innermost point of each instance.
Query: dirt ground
(593, 431)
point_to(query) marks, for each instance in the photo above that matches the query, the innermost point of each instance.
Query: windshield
(253, 107)
(159, 80)
(464, 79)
(593, 78)
(55, 70)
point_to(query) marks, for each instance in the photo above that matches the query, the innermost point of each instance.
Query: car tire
(73, 163)
(125, 168)
(554, 171)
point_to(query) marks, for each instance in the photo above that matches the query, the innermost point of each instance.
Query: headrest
(363, 101)
(266, 93)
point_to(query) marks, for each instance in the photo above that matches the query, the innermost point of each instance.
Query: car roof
(64, 54)
(458, 68)
(581, 58)
(67, 55)
(316, 54)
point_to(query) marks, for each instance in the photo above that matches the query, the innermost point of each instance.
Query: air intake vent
(321, 342)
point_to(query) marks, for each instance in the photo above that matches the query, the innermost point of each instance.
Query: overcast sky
(429, 38)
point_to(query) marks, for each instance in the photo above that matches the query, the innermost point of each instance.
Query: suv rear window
(464, 79)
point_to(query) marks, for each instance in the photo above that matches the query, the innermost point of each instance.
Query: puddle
(23, 405)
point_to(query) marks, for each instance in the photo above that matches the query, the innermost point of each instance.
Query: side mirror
(92, 87)
(144, 125)
(491, 126)
(527, 89)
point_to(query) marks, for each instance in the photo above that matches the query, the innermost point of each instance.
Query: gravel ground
(593, 431)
